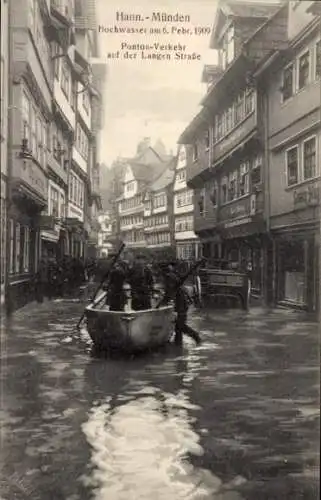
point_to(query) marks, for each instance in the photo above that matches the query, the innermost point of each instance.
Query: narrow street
(236, 418)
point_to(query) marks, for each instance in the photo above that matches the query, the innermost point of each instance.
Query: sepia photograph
(160, 250)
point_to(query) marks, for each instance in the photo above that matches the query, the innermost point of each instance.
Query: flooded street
(236, 418)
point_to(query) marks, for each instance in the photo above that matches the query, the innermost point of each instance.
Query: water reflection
(142, 435)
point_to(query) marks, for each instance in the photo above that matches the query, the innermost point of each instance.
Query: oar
(105, 278)
(183, 279)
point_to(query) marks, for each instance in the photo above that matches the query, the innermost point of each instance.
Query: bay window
(249, 101)
(256, 171)
(239, 109)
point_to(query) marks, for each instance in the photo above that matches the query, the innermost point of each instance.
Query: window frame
(288, 66)
(316, 173)
(302, 54)
(295, 146)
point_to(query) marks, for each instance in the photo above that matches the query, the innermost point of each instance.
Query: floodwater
(236, 418)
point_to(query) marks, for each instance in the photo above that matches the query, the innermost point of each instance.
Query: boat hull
(130, 331)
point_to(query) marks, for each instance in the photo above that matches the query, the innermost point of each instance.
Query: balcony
(77, 158)
(64, 105)
(29, 180)
(235, 139)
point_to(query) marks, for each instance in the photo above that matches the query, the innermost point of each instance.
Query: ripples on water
(140, 444)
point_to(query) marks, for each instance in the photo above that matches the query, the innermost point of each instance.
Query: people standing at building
(41, 281)
(141, 282)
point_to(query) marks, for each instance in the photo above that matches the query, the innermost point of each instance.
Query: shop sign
(306, 197)
(235, 210)
(238, 222)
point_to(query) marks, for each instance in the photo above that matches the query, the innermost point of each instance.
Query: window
(288, 83)
(160, 201)
(227, 49)
(26, 249)
(207, 139)
(304, 68)
(249, 101)
(214, 194)
(62, 205)
(82, 142)
(54, 202)
(224, 190)
(292, 166)
(318, 60)
(34, 144)
(309, 158)
(65, 79)
(181, 175)
(256, 171)
(57, 60)
(195, 152)
(201, 203)
(239, 109)
(130, 186)
(25, 110)
(232, 186)
(17, 248)
(185, 198)
(244, 178)
(184, 224)
(86, 101)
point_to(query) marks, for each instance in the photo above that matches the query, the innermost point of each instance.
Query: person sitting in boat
(141, 281)
(116, 296)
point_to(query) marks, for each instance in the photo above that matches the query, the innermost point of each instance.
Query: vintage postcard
(160, 249)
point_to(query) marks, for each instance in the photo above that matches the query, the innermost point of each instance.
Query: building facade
(293, 99)
(226, 153)
(50, 160)
(186, 241)
(158, 215)
(105, 234)
(138, 174)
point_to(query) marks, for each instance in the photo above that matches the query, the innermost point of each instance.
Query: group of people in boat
(141, 279)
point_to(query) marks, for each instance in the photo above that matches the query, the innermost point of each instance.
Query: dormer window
(227, 51)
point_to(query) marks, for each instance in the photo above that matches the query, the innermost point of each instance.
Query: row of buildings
(153, 207)
(51, 115)
(253, 150)
(245, 184)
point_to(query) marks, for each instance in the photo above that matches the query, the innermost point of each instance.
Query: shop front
(242, 232)
(296, 249)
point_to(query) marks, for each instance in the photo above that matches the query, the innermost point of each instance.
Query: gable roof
(166, 177)
(144, 172)
(231, 9)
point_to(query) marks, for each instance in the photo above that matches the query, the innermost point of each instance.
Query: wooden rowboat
(129, 330)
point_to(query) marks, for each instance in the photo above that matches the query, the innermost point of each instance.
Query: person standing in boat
(116, 297)
(141, 281)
